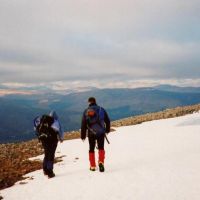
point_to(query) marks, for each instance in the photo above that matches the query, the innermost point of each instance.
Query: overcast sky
(99, 41)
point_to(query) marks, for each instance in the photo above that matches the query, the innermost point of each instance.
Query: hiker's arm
(83, 127)
(107, 122)
(61, 135)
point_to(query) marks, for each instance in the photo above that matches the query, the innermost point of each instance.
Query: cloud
(83, 85)
(49, 41)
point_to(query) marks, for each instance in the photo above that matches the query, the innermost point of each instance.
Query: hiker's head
(91, 100)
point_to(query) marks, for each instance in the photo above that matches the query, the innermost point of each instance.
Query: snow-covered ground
(158, 160)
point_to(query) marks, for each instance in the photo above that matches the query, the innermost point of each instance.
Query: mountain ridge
(119, 103)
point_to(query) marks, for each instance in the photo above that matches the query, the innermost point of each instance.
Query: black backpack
(44, 129)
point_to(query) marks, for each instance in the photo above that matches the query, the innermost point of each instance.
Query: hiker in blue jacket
(49, 140)
(96, 123)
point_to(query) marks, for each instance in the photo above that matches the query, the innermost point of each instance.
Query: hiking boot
(92, 169)
(51, 175)
(45, 172)
(101, 167)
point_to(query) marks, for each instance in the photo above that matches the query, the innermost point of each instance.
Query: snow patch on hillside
(157, 160)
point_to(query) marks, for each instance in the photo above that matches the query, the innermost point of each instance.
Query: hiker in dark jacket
(96, 129)
(49, 142)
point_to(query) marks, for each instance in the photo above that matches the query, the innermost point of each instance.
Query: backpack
(95, 120)
(44, 129)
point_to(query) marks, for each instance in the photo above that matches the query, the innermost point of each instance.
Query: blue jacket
(84, 124)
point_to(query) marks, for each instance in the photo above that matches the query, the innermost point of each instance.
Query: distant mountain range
(18, 111)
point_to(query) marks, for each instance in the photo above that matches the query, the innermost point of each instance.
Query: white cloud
(69, 86)
(60, 40)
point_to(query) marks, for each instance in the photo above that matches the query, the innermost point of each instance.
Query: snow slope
(158, 160)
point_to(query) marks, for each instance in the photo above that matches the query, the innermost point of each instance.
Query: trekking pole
(107, 139)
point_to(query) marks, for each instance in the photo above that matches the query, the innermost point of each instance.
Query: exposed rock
(169, 113)
(22, 183)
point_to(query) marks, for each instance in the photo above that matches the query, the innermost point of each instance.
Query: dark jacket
(84, 122)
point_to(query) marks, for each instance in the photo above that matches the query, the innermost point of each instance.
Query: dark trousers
(49, 155)
(92, 142)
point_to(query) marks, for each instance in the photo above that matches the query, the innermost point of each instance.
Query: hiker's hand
(107, 130)
(61, 140)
